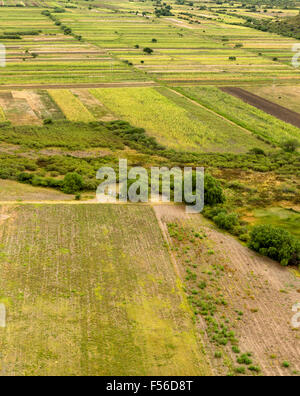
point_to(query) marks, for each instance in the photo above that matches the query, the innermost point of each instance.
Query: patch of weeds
(244, 359)
(240, 370)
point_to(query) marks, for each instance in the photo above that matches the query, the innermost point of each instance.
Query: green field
(192, 45)
(97, 304)
(2, 115)
(175, 121)
(279, 217)
(263, 125)
(71, 107)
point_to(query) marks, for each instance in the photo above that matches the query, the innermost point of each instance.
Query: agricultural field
(141, 289)
(42, 54)
(280, 217)
(175, 121)
(265, 126)
(71, 107)
(107, 42)
(97, 304)
(287, 96)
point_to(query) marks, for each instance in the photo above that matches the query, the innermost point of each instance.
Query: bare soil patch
(18, 110)
(265, 105)
(260, 288)
(99, 111)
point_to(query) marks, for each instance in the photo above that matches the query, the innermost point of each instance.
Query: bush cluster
(276, 243)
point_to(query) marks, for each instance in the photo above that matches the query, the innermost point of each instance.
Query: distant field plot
(94, 106)
(287, 96)
(17, 109)
(52, 57)
(279, 217)
(204, 52)
(71, 106)
(28, 107)
(260, 123)
(175, 121)
(97, 304)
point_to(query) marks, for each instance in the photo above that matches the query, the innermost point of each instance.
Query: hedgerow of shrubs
(276, 243)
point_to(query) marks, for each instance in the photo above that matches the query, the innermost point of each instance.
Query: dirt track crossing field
(271, 108)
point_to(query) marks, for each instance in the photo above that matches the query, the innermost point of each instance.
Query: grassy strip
(72, 108)
(2, 115)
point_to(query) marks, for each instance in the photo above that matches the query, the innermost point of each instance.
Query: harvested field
(17, 110)
(94, 106)
(286, 96)
(257, 293)
(40, 103)
(274, 109)
(17, 192)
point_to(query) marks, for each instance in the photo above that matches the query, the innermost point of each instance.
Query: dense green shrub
(275, 243)
(72, 183)
(213, 193)
(226, 221)
(290, 145)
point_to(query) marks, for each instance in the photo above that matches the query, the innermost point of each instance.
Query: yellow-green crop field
(106, 302)
(204, 47)
(175, 121)
(2, 115)
(72, 108)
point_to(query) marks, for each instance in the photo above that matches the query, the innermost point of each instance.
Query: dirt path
(262, 289)
(274, 109)
(92, 85)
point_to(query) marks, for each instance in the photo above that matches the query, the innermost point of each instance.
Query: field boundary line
(173, 260)
(84, 85)
(167, 240)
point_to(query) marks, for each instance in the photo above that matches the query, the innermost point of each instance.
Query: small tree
(290, 145)
(72, 183)
(148, 50)
(213, 191)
